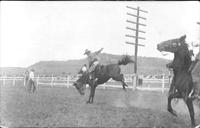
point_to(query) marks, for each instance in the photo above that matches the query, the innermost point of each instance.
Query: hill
(146, 65)
(10, 71)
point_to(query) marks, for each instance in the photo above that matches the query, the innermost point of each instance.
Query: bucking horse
(182, 83)
(102, 73)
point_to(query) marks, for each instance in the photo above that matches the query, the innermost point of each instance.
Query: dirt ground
(64, 107)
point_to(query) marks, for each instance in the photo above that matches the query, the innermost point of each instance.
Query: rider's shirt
(92, 57)
(198, 56)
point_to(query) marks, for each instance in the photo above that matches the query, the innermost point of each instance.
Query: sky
(36, 31)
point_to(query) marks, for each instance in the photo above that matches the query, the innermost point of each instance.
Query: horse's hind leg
(121, 79)
(191, 111)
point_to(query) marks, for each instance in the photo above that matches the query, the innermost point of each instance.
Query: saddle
(96, 72)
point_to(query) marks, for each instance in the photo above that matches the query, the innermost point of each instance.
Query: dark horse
(182, 81)
(102, 74)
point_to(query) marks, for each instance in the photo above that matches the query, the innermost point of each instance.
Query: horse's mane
(83, 77)
(185, 50)
(185, 46)
(186, 53)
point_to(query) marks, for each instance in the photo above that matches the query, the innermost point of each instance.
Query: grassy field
(62, 106)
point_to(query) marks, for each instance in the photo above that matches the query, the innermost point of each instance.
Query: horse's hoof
(88, 102)
(172, 112)
(123, 88)
(198, 126)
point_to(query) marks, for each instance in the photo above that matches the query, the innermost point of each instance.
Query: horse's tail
(125, 60)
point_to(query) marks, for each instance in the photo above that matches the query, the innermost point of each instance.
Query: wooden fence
(130, 79)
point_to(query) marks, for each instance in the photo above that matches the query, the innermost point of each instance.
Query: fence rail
(68, 81)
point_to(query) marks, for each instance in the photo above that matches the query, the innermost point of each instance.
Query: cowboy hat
(86, 51)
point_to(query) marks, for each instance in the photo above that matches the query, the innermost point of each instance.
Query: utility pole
(199, 42)
(137, 31)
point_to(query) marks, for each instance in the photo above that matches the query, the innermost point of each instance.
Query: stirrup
(190, 94)
(94, 79)
(198, 126)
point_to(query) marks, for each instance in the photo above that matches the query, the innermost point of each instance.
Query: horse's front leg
(93, 93)
(169, 106)
(90, 96)
(91, 83)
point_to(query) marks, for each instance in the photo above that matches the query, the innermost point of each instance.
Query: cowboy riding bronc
(195, 70)
(93, 60)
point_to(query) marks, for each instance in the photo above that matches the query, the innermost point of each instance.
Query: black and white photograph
(132, 64)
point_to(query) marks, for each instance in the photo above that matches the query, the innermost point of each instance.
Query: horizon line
(77, 59)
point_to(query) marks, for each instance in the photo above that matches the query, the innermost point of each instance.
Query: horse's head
(178, 46)
(79, 84)
(173, 45)
(79, 87)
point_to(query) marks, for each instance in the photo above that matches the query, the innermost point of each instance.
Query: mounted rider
(93, 60)
(195, 70)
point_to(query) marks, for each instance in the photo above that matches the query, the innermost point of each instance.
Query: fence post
(148, 85)
(52, 81)
(38, 80)
(4, 81)
(163, 83)
(68, 79)
(24, 81)
(14, 81)
(104, 86)
(134, 80)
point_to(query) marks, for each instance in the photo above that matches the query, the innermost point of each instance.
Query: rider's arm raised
(97, 52)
